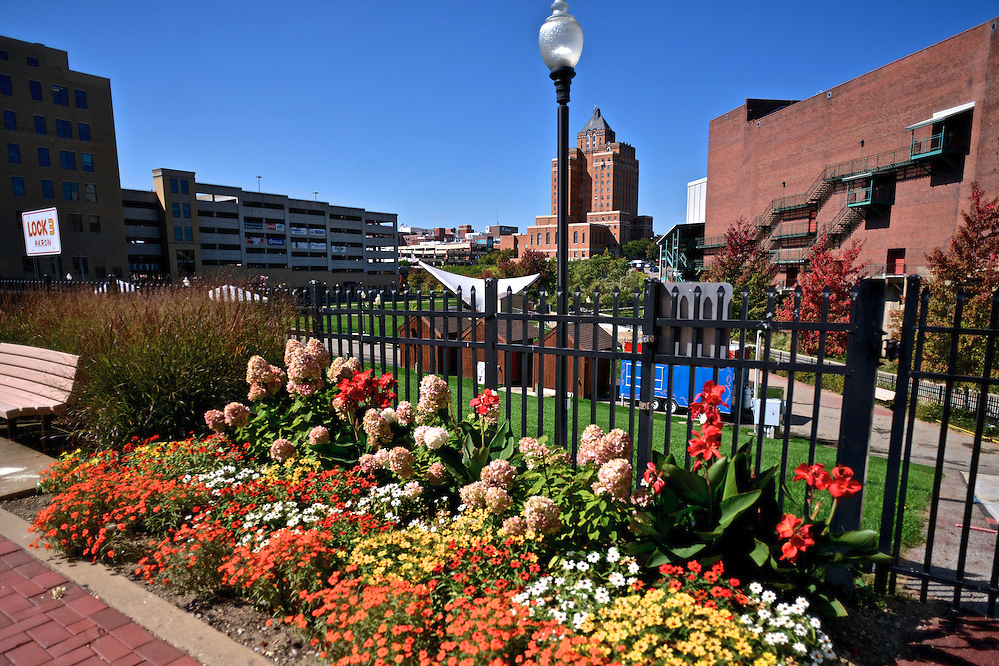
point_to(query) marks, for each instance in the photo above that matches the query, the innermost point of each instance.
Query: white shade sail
(456, 282)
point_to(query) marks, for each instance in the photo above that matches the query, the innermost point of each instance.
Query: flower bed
(405, 534)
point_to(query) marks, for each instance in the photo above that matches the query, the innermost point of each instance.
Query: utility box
(772, 412)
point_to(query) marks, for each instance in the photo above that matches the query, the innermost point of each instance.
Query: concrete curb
(160, 617)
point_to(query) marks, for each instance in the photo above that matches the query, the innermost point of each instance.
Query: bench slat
(36, 382)
(60, 358)
(31, 394)
(14, 365)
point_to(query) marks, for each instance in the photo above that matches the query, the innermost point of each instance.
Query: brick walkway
(38, 629)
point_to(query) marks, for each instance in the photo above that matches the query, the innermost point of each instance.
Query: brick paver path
(39, 629)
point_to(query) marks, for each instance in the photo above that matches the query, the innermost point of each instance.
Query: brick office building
(58, 127)
(887, 158)
(603, 197)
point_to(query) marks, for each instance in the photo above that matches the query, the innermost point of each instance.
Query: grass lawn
(920, 476)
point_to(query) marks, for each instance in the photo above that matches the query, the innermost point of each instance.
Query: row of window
(70, 190)
(183, 233)
(67, 158)
(179, 186)
(181, 210)
(64, 128)
(74, 222)
(60, 94)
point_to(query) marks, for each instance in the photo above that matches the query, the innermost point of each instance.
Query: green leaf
(733, 507)
(760, 553)
(688, 485)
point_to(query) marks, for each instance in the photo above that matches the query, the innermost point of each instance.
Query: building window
(188, 234)
(187, 210)
(88, 161)
(64, 129)
(70, 191)
(173, 186)
(3, 54)
(5, 88)
(47, 190)
(184, 187)
(81, 99)
(539, 239)
(43, 157)
(91, 192)
(95, 223)
(75, 221)
(178, 233)
(176, 210)
(36, 90)
(548, 238)
(9, 120)
(40, 127)
(13, 153)
(32, 61)
(67, 160)
(60, 95)
(84, 131)
(17, 183)
(584, 240)
(575, 236)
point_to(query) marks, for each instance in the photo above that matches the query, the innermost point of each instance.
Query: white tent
(227, 292)
(455, 282)
(120, 286)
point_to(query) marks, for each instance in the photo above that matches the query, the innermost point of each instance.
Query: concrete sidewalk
(60, 612)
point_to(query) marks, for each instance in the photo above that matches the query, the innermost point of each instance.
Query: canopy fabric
(228, 292)
(456, 282)
(942, 115)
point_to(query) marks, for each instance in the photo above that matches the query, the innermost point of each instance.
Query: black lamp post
(561, 43)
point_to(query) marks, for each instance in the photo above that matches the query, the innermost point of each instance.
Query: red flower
(485, 402)
(843, 484)
(814, 475)
(705, 444)
(797, 544)
(711, 396)
(653, 478)
(787, 526)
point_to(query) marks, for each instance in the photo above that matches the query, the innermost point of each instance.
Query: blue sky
(442, 111)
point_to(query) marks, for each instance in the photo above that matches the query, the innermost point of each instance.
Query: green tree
(531, 262)
(970, 264)
(745, 265)
(832, 270)
(604, 273)
(637, 249)
(494, 257)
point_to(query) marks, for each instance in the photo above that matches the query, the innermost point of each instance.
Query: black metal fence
(960, 557)
(509, 345)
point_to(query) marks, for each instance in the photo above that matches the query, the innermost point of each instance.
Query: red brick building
(603, 197)
(887, 158)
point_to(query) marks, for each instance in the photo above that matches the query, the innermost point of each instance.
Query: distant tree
(745, 265)
(837, 271)
(970, 264)
(496, 256)
(531, 262)
(604, 273)
(637, 249)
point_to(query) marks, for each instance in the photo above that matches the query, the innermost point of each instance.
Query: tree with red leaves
(832, 270)
(970, 264)
(744, 263)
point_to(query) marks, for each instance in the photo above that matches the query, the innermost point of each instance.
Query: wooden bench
(34, 382)
(883, 394)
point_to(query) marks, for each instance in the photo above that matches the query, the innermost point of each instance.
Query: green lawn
(919, 482)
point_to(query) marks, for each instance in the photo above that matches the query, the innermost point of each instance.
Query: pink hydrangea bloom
(237, 415)
(513, 526)
(435, 438)
(614, 478)
(215, 420)
(498, 500)
(413, 489)
(436, 474)
(282, 449)
(318, 435)
(401, 462)
(405, 413)
(499, 474)
(597, 448)
(474, 494)
(368, 463)
(377, 428)
(435, 395)
(535, 453)
(542, 515)
(419, 434)
(319, 352)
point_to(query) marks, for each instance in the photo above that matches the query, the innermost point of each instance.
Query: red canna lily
(843, 484)
(798, 542)
(653, 478)
(814, 475)
(787, 525)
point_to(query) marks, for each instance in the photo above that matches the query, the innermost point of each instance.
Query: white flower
(799, 648)
(633, 568)
(602, 595)
(593, 557)
(579, 618)
(816, 624)
(617, 579)
(435, 438)
(769, 597)
(582, 566)
(585, 584)
(568, 565)
(755, 588)
(764, 614)
(558, 581)
(800, 630)
(389, 415)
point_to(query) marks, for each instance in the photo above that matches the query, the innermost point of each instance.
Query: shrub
(150, 363)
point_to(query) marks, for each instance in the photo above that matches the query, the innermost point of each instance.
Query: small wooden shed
(591, 338)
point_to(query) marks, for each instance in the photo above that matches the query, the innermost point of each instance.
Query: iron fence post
(863, 352)
(646, 415)
(490, 335)
(316, 289)
(908, 336)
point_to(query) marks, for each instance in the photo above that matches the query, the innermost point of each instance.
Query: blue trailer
(678, 395)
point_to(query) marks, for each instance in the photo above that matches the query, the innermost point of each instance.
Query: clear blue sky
(442, 111)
